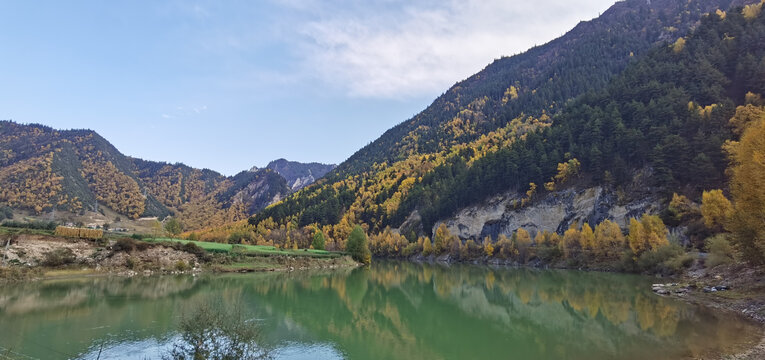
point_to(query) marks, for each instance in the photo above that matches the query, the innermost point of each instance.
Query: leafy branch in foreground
(210, 332)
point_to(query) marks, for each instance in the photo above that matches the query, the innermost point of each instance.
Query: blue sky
(230, 84)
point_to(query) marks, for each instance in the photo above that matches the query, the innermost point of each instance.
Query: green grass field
(250, 249)
(11, 230)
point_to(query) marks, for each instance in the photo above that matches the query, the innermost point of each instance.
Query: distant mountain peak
(81, 170)
(297, 174)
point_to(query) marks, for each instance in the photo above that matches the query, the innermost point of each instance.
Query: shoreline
(43, 274)
(744, 297)
(40, 257)
(744, 294)
(753, 350)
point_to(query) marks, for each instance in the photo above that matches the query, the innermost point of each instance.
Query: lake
(390, 310)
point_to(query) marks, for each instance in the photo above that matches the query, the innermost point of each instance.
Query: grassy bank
(5, 230)
(280, 263)
(249, 249)
(32, 254)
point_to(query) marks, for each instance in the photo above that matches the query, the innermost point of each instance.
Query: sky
(228, 85)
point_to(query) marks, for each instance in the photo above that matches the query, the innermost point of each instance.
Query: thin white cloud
(395, 49)
(181, 112)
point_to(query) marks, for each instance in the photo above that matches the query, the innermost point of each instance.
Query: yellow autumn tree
(648, 234)
(510, 94)
(747, 115)
(539, 239)
(529, 194)
(427, 248)
(566, 171)
(572, 242)
(522, 243)
(609, 240)
(532, 190)
(716, 209)
(441, 239)
(506, 247)
(752, 11)
(679, 45)
(747, 187)
(547, 239)
(587, 237)
(488, 248)
(550, 186)
(680, 206)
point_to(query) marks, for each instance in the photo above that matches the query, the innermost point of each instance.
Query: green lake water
(391, 310)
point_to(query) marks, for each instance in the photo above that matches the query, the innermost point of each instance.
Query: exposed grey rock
(555, 211)
(299, 175)
(256, 190)
(412, 223)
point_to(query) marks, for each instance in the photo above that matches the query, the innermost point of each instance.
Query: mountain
(537, 82)
(491, 133)
(42, 168)
(658, 128)
(299, 175)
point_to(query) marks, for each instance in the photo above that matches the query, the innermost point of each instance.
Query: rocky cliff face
(264, 188)
(299, 175)
(556, 211)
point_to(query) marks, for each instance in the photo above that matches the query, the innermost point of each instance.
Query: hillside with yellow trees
(634, 136)
(630, 164)
(492, 132)
(43, 170)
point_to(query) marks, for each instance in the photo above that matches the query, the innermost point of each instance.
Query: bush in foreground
(215, 333)
(59, 257)
(128, 245)
(720, 250)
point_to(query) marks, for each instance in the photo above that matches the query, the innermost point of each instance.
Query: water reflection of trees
(394, 307)
(55, 295)
(391, 310)
(63, 318)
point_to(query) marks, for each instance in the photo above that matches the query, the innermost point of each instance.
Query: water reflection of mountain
(70, 294)
(400, 310)
(391, 310)
(62, 318)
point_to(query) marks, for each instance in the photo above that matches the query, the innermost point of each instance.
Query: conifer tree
(358, 245)
(318, 240)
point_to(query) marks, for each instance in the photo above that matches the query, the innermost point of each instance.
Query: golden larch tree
(587, 238)
(609, 240)
(747, 222)
(648, 234)
(716, 209)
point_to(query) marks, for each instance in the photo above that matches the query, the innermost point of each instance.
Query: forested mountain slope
(465, 146)
(668, 113)
(42, 169)
(538, 81)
